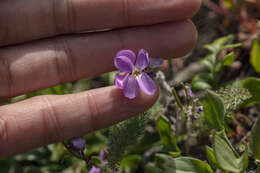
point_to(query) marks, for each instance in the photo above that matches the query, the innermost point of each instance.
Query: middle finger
(42, 64)
(24, 20)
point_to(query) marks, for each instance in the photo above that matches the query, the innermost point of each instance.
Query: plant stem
(177, 98)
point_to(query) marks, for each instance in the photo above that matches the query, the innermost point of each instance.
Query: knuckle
(92, 110)
(61, 24)
(50, 121)
(3, 132)
(71, 16)
(4, 36)
(6, 77)
(125, 13)
(64, 61)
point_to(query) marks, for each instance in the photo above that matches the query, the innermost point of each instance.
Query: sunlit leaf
(230, 46)
(224, 137)
(253, 85)
(255, 55)
(218, 44)
(130, 163)
(228, 59)
(226, 159)
(166, 135)
(209, 61)
(181, 164)
(203, 81)
(211, 157)
(214, 110)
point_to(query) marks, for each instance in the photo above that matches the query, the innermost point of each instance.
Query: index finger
(26, 20)
(48, 119)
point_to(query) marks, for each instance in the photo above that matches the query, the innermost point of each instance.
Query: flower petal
(120, 81)
(131, 88)
(124, 64)
(155, 62)
(199, 109)
(142, 60)
(146, 84)
(78, 144)
(95, 170)
(190, 93)
(128, 53)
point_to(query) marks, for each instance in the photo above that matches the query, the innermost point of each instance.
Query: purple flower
(77, 144)
(190, 93)
(102, 157)
(199, 109)
(193, 117)
(190, 114)
(135, 72)
(95, 170)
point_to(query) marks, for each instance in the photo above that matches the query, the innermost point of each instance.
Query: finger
(29, 19)
(48, 119)
(39, 65)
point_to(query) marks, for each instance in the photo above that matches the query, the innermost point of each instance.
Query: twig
(188, 73)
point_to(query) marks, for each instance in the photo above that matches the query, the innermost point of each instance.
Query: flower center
(136, 72)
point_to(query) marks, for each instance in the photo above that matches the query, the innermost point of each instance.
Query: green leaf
(243, 161)
(253, 85)
(218, 67)
(130, 163)
(203, 81)
(224, 137)
(181, 164)
(255, 56)
(209, 61)
(229, 46)
(166, 135)
(214, 110)
(211, 157)
(123, 135)
(228, 59)
(218, 44)
(255, 140)
(175, 154)
(96, 160)
(226, 159)
(152, 169)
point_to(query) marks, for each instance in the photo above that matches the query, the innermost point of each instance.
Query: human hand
(42, 44)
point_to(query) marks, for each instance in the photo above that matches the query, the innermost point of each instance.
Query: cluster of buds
(191, 108)
(77, 147)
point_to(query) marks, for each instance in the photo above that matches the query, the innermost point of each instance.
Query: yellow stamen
(136, 72)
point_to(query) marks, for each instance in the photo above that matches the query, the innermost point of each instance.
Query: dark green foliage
(209, 80)
(255, 140)
(125, 134)
(166, 135)
(167, 164)
(211, 157)
(214, 110)
(227, 160)
(253, 85)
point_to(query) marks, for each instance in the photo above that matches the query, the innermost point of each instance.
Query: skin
(45, 43)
